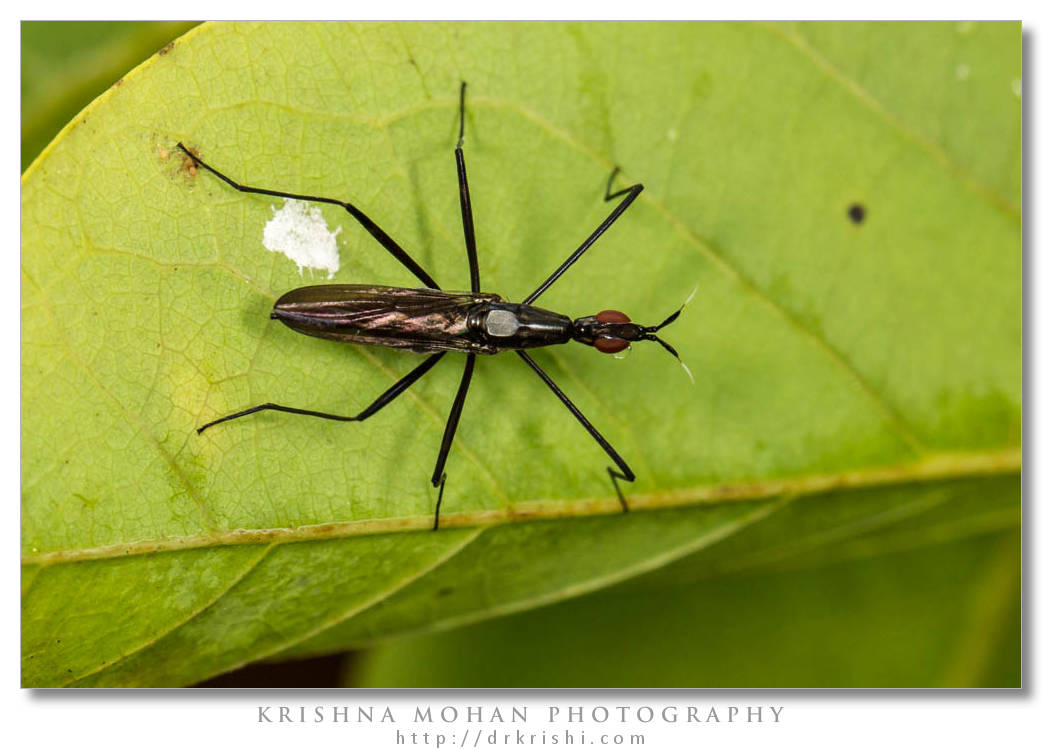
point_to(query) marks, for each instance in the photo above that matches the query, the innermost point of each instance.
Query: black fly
(432, 321)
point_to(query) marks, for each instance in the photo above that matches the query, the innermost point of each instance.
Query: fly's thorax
(517, 326)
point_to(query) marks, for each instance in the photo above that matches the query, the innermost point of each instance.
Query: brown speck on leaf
(188, 162)
(118, 83)
(163, 154)
(167, 48)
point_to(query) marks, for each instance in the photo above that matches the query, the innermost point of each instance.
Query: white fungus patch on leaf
(299, 231)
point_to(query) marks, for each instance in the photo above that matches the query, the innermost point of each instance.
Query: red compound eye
(611, 345)
(611, 315)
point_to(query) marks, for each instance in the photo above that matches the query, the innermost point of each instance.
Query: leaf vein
(379, 597)
(934, 150)
(247, 570)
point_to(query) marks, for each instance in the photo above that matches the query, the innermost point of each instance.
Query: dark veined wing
(361, 305)
(416, 319)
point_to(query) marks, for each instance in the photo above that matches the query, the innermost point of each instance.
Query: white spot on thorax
(962, 72)
(299, 231)
(501, 323)
(964, 27)
(672, 133)
(1015, 85)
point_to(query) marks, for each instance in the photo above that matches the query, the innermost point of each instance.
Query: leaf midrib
(934, 468)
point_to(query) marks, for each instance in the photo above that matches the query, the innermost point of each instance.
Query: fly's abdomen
(420, 320)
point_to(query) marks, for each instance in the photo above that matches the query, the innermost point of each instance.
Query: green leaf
(65, 64)
(831, 358)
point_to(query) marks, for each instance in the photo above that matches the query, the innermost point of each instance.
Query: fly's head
(611, 331)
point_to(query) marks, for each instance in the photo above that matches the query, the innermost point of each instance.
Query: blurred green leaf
(833, 359)
(940, 616)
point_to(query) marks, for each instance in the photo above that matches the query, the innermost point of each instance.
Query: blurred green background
(865, 608)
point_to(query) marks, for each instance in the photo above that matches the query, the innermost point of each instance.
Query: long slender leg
(367, 223)
(626, 474)
(388, 395)
(608, 194)
(464, 202)
(631, 194)
(438, 478)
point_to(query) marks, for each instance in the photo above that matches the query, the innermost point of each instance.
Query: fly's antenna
(649, 333)
(663, 344)
(670, 349)
(671, 318)
(462, 92)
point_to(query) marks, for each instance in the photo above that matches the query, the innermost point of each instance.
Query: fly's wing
(423, 320)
